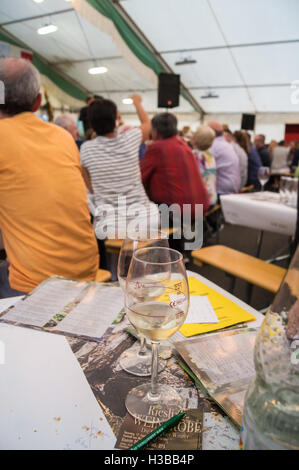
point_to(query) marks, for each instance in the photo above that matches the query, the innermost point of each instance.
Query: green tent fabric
(128, 35)
(131, 39)
(44, 69)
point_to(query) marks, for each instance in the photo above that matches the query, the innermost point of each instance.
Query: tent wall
(271, 125)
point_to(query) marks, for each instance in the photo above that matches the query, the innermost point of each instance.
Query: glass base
(154, 410)
(135, 364)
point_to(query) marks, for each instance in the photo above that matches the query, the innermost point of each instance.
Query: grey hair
(203, 137)
(64, 121)
(21, 84)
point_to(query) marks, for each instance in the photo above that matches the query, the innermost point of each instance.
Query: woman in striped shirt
(111, 171)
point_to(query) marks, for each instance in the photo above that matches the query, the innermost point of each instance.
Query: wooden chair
(240, 265)
(103, 275)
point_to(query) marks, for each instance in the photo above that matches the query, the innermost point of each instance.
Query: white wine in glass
(157, 314)
(156, 320)
(263, 176)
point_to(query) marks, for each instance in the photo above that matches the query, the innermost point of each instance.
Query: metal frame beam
(84, 61)
(219, 87)
(230, 46)
(37, 17)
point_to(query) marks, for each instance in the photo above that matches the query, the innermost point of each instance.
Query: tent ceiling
(246, 52)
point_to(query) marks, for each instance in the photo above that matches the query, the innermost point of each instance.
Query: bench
(103, 275)
(240, 265)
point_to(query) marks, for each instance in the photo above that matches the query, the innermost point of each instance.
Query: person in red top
(169, 169)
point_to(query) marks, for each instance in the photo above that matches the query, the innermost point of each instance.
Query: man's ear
(155, 135)
(37, 103)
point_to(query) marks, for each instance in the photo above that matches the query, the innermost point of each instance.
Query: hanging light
(38, 1)
(186, 61)
(47, 29)
(97, 70)
(209, 95)
(127, 101)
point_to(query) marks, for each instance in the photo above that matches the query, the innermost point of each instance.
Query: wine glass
(282, 189)
(263, 175)
(137, 363)
(157, 302)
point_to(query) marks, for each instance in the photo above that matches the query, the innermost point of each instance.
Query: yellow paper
(228, 312)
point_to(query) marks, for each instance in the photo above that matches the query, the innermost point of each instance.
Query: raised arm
(143, 117)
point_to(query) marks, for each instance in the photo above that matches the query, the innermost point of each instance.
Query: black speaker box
(248, 122)
(169, 90)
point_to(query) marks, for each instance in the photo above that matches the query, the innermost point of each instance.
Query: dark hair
(102, 115)
(281, 143)
(165, 124)
(243, 140)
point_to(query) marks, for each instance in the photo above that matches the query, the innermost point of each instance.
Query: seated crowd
(44, 215)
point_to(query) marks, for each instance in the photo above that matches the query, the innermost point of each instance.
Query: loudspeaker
(248, 122)
(169, 90)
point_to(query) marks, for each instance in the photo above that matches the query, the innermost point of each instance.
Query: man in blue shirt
(259, 143)
(254, 163)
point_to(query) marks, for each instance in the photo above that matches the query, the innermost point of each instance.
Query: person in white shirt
(243, 158)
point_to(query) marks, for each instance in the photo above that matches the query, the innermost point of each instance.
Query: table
(47, 402)
(261, 211)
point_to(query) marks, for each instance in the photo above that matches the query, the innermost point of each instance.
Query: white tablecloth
(262, 211)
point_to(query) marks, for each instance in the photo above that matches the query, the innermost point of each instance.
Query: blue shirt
(254, 163)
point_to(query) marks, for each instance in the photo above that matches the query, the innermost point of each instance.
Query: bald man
(44, 216)
(228, 175)
(68, 123)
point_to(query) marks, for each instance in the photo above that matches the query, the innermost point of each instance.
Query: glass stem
(142, 351)
(154, 383)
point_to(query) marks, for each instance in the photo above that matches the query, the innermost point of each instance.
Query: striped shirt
(113, 166)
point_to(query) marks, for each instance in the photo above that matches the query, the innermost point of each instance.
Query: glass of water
(282, 189)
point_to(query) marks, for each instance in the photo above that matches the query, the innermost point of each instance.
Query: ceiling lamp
(38, 1)
(47, 29)
(127, 101)
(186, 62)
(209, 95)
(97, 70)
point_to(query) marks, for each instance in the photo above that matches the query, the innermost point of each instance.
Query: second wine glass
(137, 363)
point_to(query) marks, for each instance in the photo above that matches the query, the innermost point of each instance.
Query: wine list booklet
(222, 364)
